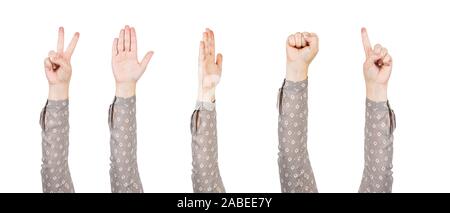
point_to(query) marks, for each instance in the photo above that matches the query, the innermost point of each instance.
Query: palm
(125, 64)
(60, 75)
(210, 68)
(126, 68)
(210, 73)
(375, 73)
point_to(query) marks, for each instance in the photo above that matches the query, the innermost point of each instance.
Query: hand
(377, 69)
(126, 67)
(58, 69)
(209, 68)
(301, 48)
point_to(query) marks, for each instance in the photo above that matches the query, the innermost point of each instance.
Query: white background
(251, 35)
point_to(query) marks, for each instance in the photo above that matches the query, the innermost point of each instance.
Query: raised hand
(58, 68)
(377, 69)
(126, 67)
(209, 68)
(301, 48)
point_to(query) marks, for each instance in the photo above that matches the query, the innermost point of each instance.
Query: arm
(54, 119)
(205, 168)
(380, 120)
(296, 174)
(124, 173)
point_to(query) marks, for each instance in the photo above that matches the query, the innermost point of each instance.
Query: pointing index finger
(366, 41)
(60, 46)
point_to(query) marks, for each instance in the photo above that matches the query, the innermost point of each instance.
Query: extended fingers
(206, 43)
(219, 60)
(146, 59)
(120, 45)
(133, 41)
(114, 46)
(72, 44)
(60, 45)
(201, 51)
(212, 42)
(366, 42)
(127, 39)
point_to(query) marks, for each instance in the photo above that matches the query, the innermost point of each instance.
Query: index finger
(133, 40)
(60, 45)
(366, 42)
(72, 44)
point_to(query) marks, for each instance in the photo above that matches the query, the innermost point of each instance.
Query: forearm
(296, 174)
(376, 92)
(378, 147)
(205, 169)
(124, 172)
(55, 171)
(58, 91)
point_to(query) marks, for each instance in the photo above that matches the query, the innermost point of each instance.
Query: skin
(209, 68)
(301, 48)
(127, 69)
(377, 69)
(58, 68)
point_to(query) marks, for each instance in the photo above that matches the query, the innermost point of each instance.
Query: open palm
(125, 64)
(210, 69)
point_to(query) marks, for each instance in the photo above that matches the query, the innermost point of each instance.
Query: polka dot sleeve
(378, 149)
(54, 121)
(296, 174)
(205, 168)
(124, 172)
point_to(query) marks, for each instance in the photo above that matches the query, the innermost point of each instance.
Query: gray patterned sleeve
(205, 168)
(54, 121)
(296, 174)
(124, 172)
(378, 148)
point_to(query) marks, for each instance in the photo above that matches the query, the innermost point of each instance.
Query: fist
(301, 48)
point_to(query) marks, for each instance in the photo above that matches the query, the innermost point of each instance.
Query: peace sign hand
(57, 64)
(57, 67)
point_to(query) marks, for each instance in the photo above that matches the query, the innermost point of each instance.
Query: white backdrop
(251, 35)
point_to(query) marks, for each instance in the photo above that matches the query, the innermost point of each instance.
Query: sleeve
(296, 174)
(378, 149)
(124, 173)
(54, 122)
(205, 168)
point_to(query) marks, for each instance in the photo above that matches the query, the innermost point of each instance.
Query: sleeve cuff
(57, 104)
(377, 106)
(128, 101)
(209, 106)
(292, 86)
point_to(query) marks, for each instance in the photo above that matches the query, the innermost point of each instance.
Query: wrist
(206, 95)
(376, 92)
(125, 89)
(296, 73)
(58, 91)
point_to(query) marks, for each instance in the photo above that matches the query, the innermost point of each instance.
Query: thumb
(48, 65)
(146, 59)
(57, 61)
(219, 60)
